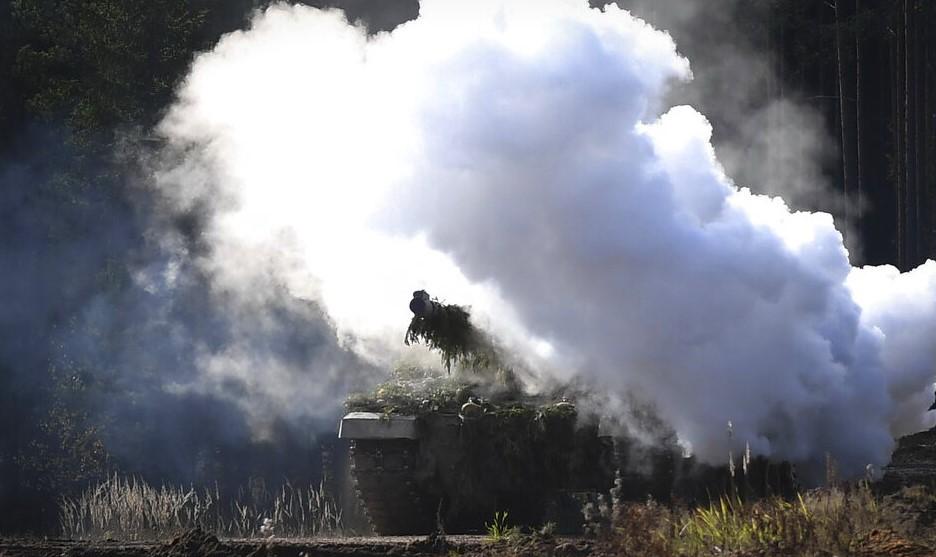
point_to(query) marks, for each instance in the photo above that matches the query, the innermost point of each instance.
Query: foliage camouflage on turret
(412, 391)
(449, 330)
(416, 391)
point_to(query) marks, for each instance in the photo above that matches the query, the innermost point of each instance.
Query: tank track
(913, 462)
(386, 482)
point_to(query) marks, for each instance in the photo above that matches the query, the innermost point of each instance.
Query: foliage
(730, 525)
(827, 521)
(499, 529)
(449, 330)
(412, 391)
(67, 449)
(832, 520)
(131, 509)
(102, 63)
(75, 75)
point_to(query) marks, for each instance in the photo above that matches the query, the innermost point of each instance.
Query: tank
(434, 451)
(445, 451)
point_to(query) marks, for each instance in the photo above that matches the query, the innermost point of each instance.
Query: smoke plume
(767, 135)
(521, 158)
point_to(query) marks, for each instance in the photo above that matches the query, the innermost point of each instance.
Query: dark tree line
(74, 75)
(865, 67)
(870, 68)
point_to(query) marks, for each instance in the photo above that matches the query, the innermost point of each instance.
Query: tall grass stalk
(131, 509)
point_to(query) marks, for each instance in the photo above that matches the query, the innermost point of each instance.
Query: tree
(104, 63)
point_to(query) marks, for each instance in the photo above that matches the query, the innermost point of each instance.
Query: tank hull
(452, 474)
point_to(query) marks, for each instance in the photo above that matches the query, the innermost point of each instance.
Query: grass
(499, 529)
(825, 521)
(841, 520)
(131, 509)
(730, 525)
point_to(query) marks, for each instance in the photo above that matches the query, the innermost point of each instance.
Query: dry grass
(825, 521)
(131, 509)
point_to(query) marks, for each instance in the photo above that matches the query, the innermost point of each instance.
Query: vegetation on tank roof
(413, 390)
(448, 329)
(480, 372)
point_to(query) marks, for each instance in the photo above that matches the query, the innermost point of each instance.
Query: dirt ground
(197, 543)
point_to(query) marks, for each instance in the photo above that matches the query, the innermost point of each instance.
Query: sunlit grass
(830, 520)
(131, 509)
(499, 530)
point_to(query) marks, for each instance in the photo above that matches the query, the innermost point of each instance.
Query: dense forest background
(843, 91)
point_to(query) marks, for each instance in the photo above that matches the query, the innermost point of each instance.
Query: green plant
(499, 530)
(832, 520)
(448, 329)
(731, 525)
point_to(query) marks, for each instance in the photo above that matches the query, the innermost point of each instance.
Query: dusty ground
(197, 543)
(883, 543)
(200, 543)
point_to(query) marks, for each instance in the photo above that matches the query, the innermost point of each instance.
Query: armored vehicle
(445, 451)
(448, 450)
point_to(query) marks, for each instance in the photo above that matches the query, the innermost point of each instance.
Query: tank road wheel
(385, 479)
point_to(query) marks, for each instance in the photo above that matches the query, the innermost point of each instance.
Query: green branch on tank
(447, 329)
(412, 391)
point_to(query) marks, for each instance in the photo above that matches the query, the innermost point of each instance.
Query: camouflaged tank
(445, 451)
(442, 450)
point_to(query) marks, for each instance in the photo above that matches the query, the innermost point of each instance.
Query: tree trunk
(897, 130)
(917, 159)
(928, 110)
(909, 194)
(858, 188)
(843, 121)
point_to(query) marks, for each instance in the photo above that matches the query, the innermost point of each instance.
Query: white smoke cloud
(516, 157)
